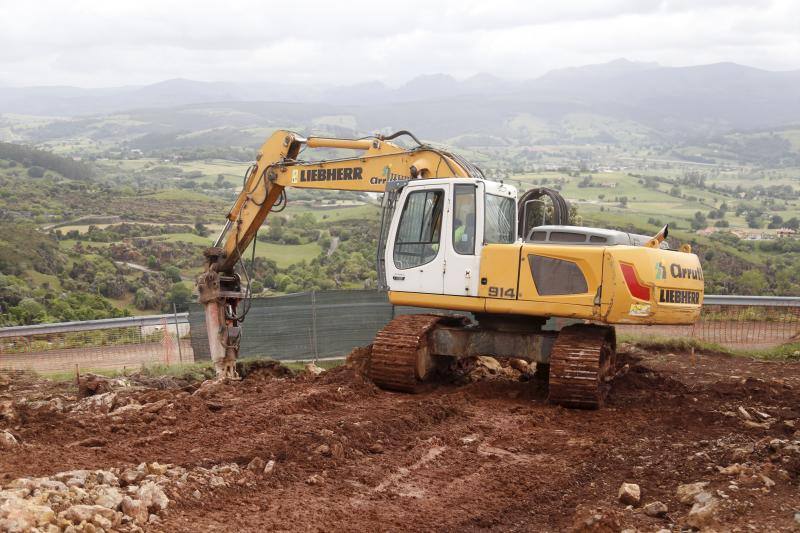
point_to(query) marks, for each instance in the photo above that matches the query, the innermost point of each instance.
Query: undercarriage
(410, 351)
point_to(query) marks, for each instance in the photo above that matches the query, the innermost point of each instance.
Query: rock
(40, 483)
(323, 449)
(108, 497)
(469, 439)
(131, 476)
(91, 442)
(80, 513)
(24, 515)
(316, 479)
(337, 450)
(756, 425)
(703, 514)
(130, 408)
(744, 413)
(490, 363)
(732, 470)
(270, 467)
(102, 522)
(767, 481)
(520, 365)
(152, 496)
(687, 492)
(256, 464)
(197, 494)
(7, 494)
(7, 440)
(8, 412)
(92, 385)
(376, 447)
(313, 369)
(136, 509)
(157, 469)
(703, 497)
(155, 406)
(762, 415)
(629, 493)
(655, 509)
(797, 517)
(153, 519)
(216, 482)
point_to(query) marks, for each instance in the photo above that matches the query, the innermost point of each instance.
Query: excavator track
(582, 364)
(400, 358)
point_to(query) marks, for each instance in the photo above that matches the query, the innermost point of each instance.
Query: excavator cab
(434, 241)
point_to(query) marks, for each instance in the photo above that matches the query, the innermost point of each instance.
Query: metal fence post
(314, 323)
(177, 333)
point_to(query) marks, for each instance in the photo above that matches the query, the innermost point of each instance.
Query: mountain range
(649, 99)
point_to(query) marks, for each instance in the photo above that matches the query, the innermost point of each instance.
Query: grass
(191, 371)
(785, 352)
(286, 254)
(359, 212)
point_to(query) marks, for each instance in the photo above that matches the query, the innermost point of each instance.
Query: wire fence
(744, 323)
(319, 325)
(97, 344)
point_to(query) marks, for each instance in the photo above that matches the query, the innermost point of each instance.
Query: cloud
(99, 43)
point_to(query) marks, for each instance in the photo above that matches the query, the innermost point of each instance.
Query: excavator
(452, 240)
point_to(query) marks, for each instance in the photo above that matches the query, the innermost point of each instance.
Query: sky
(101, 43)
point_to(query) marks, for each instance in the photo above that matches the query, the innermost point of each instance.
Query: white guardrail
(92, 325)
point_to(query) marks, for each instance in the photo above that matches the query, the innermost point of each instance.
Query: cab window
(499, 222)
(464, 219)
(418, 234)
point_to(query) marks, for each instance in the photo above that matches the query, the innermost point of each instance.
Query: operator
(462, 237)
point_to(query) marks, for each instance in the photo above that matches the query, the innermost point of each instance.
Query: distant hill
(616, 102)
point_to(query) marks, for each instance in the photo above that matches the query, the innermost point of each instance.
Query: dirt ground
(341, 455)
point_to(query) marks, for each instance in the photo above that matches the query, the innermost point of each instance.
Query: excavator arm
(278, 166)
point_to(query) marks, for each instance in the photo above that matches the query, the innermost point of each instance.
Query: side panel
(499, 271)
(561, 280)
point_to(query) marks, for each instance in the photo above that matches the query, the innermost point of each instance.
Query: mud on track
(487, 455)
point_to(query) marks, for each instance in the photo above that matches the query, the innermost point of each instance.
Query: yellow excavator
(450, 239)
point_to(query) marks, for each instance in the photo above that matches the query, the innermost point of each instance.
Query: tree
(173, 273)
(699, 221)
(36, 172)
(29, 311)
(256, 287)
(180, 295)
(753, 220)
(200, 229)
(753, 282)
(144, 299)
(775, 222)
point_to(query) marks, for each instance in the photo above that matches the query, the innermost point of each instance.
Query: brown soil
(487, 455)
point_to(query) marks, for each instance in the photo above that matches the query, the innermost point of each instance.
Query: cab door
(415, 254)
(464, 228)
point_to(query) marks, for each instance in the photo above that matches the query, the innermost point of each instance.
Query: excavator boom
(278, 166)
